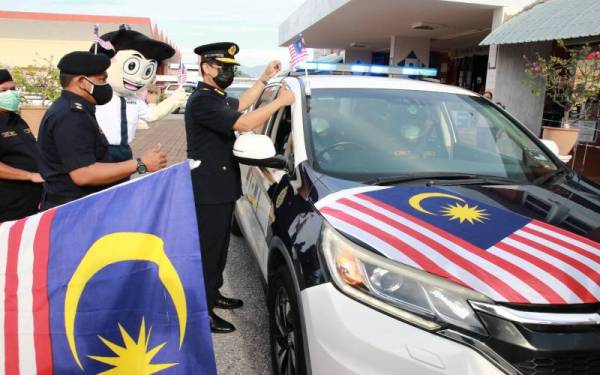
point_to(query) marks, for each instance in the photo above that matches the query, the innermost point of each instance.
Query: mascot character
(134, 61)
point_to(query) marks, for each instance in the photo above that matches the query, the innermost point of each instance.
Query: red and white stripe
(537, 264)
(182, 74)
(25, 344)
(296, 58)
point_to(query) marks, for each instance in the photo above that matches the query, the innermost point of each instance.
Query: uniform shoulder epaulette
(76, 106)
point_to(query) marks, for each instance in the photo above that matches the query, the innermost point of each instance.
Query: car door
(279, 130)
(251, 177)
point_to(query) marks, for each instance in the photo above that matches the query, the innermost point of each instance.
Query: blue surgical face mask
(10, 100)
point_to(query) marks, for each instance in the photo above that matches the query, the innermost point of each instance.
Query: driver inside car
(418, 137)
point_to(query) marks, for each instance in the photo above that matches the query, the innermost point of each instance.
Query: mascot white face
(130, 71)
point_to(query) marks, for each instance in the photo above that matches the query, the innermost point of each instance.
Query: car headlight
(415, 296)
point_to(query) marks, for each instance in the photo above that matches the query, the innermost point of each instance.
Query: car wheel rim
(285, 334)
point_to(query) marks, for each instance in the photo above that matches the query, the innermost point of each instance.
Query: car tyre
(176, 111)
(287, 350)
(235, 228)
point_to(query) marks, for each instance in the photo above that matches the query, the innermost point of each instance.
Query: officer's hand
(272, 70)
(285, 96)
(155, 158)
(36, 178)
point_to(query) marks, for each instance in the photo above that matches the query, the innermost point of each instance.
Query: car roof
(351, 81)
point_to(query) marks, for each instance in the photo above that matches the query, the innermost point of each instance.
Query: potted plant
(40, 86)
(570, 81)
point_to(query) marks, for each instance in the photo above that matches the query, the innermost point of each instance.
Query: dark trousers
(214, 226)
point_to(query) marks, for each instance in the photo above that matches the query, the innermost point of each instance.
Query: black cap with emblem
(125, 38)
(223, 52)
(83, 63)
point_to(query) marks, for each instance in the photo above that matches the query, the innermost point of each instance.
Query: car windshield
(364, 134)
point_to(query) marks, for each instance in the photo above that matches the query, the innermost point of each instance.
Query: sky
(254, 25)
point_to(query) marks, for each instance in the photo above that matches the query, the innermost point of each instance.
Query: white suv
(405, 227)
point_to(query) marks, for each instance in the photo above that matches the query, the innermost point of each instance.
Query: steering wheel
(339, 146)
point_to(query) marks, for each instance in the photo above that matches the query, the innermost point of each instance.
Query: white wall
(402, 46)
(506, 82)
(354, 56)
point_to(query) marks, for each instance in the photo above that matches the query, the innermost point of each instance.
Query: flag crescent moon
(116, 248)
(415, 201)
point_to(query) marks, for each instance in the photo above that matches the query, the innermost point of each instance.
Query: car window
(268, 95)
(360, 134)
(281, 130)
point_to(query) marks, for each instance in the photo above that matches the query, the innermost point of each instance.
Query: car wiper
(441, 179)
(552, 176)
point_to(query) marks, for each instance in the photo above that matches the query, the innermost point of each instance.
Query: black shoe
(219, 325)
(228, 303)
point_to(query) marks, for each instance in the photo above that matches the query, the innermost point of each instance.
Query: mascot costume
(134, 61)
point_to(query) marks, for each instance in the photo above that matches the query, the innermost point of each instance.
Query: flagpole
(96, 30)
(308, 90)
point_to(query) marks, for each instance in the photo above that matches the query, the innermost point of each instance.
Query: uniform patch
(232, 50)
(281, 197)
(8, 134)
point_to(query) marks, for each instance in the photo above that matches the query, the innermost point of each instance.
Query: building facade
(444, 35)
(535, 32)
(28, 38)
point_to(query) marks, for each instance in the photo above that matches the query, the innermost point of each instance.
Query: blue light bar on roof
(361, 68)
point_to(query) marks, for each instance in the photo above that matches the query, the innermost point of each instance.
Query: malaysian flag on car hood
(503, 255)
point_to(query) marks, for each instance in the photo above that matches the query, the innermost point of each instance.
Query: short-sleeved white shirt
(109, 117)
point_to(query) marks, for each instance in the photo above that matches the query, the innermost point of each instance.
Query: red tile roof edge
(73, 17)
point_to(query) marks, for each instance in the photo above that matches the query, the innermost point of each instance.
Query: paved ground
(247, 350)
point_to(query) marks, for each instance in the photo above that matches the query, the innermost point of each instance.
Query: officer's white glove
(176, 100)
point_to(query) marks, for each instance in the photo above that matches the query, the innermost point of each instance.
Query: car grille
(578, 364)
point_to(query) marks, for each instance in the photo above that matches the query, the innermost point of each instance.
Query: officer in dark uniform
(73, 151)
(211, 118)
(20, 184)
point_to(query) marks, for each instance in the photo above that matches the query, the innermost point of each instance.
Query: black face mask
(225, 77)
(102, 93)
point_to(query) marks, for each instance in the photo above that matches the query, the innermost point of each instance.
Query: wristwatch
(141, 167)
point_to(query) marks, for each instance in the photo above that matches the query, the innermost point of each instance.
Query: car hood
(521, 244)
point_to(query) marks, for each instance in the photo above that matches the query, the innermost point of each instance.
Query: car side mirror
(258, 150)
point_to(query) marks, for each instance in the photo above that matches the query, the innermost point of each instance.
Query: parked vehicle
(238, 86)
(407, 227)
(188, 87)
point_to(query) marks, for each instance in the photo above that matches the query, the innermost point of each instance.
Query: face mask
(10, 100)
(102, 93)
(225, 77)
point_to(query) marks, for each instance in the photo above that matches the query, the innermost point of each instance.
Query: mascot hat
(125, 38)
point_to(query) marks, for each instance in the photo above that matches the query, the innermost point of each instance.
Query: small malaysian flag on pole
(99, 41)
(182, 74)
(298, 52)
